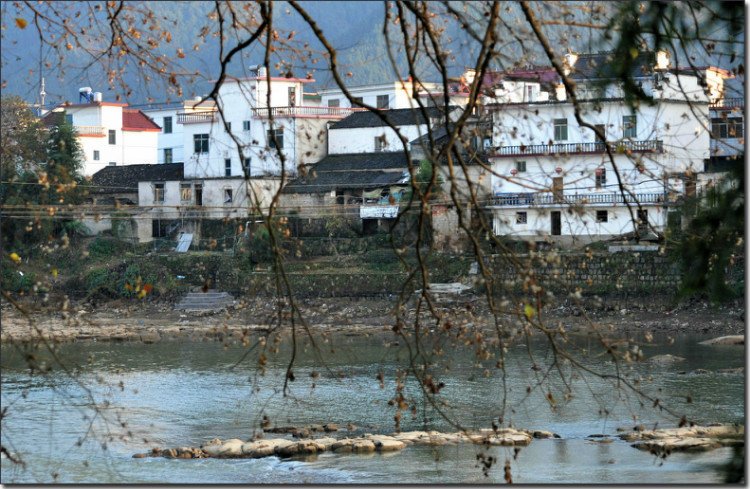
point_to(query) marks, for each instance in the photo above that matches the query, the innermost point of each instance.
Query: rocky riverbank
(150, 322)
(660, 442)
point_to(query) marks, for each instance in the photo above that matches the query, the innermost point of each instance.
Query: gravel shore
(149, 322)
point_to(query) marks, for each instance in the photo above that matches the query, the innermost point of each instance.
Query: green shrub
(131, 279)
(104, 248)
(99, 280)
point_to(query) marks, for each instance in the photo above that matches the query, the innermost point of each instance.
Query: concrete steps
(205, 301)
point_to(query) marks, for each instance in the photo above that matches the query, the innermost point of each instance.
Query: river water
(180, 393)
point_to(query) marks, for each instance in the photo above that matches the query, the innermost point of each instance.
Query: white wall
(579, 226)
(173, 140)
(362, 140)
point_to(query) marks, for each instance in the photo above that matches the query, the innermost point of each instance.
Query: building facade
(620, 173)
(110, 134)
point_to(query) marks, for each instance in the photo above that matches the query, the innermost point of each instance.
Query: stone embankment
(660, 442)
(686, 439)
(368, 443)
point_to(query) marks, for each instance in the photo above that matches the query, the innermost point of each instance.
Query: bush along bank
(373, 273)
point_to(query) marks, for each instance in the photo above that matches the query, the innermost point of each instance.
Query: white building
(395, 95)
(110, 134)
(229, 149)
(553, 179)
(171, 138)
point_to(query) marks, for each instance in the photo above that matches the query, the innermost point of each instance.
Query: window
(167, 125)
(158, 193)
(246, 162)
(380, 142)
(561, 129)
(167, 155)
(112, 136)
(112, 163)
(96, 155)
(245, 125)
(186, 192)
(601, 177)
(357, 101)
(521, 218)
(292, 96)
(334, 102)
(727, 127)
(227, 167)
(520, 166)
(69, 119)
(200, 142)
(602, 216)
(629, 126)
(227, 195)
(276, 138)
(228, 127)
(383, 102)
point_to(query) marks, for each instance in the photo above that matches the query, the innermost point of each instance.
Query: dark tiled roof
(398, 117)
(119, 179)
(599, 65)
(360, 171)
(53, 118)
(135, 120)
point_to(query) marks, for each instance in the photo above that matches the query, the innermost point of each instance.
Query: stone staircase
(205, 301)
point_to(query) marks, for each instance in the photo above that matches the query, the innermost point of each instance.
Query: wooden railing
(304, 111)
(195, 117)
(654, 146)
(546, 198)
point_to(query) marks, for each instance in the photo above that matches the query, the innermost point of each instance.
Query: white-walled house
(231, 165)
(110, 134)
(394, 95)
(553, 179)
(366, 132)
(171, 141)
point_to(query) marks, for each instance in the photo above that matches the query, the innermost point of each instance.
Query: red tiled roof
(135, 120)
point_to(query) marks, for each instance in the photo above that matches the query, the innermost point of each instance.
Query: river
(181, 393)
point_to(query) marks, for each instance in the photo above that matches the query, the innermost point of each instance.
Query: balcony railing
(728, 103)
(195, 117)
(546, 198)
(303, 111)
(577, 148)
(97, 131)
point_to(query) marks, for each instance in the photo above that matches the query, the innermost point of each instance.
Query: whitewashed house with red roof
(110, 134)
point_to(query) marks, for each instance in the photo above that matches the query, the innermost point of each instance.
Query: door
(642, 222)
(198, 194)
(556, 223)
(557, 189)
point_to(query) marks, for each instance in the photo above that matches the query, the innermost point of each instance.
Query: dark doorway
(369, 227)
(556, 223)
(198, 194)
(642, 222)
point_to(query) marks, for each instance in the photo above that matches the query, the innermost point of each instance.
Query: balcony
(728, 103)
(197, 117)
(91, 131)
(577, 148)
(550, 199)
(303, 111)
